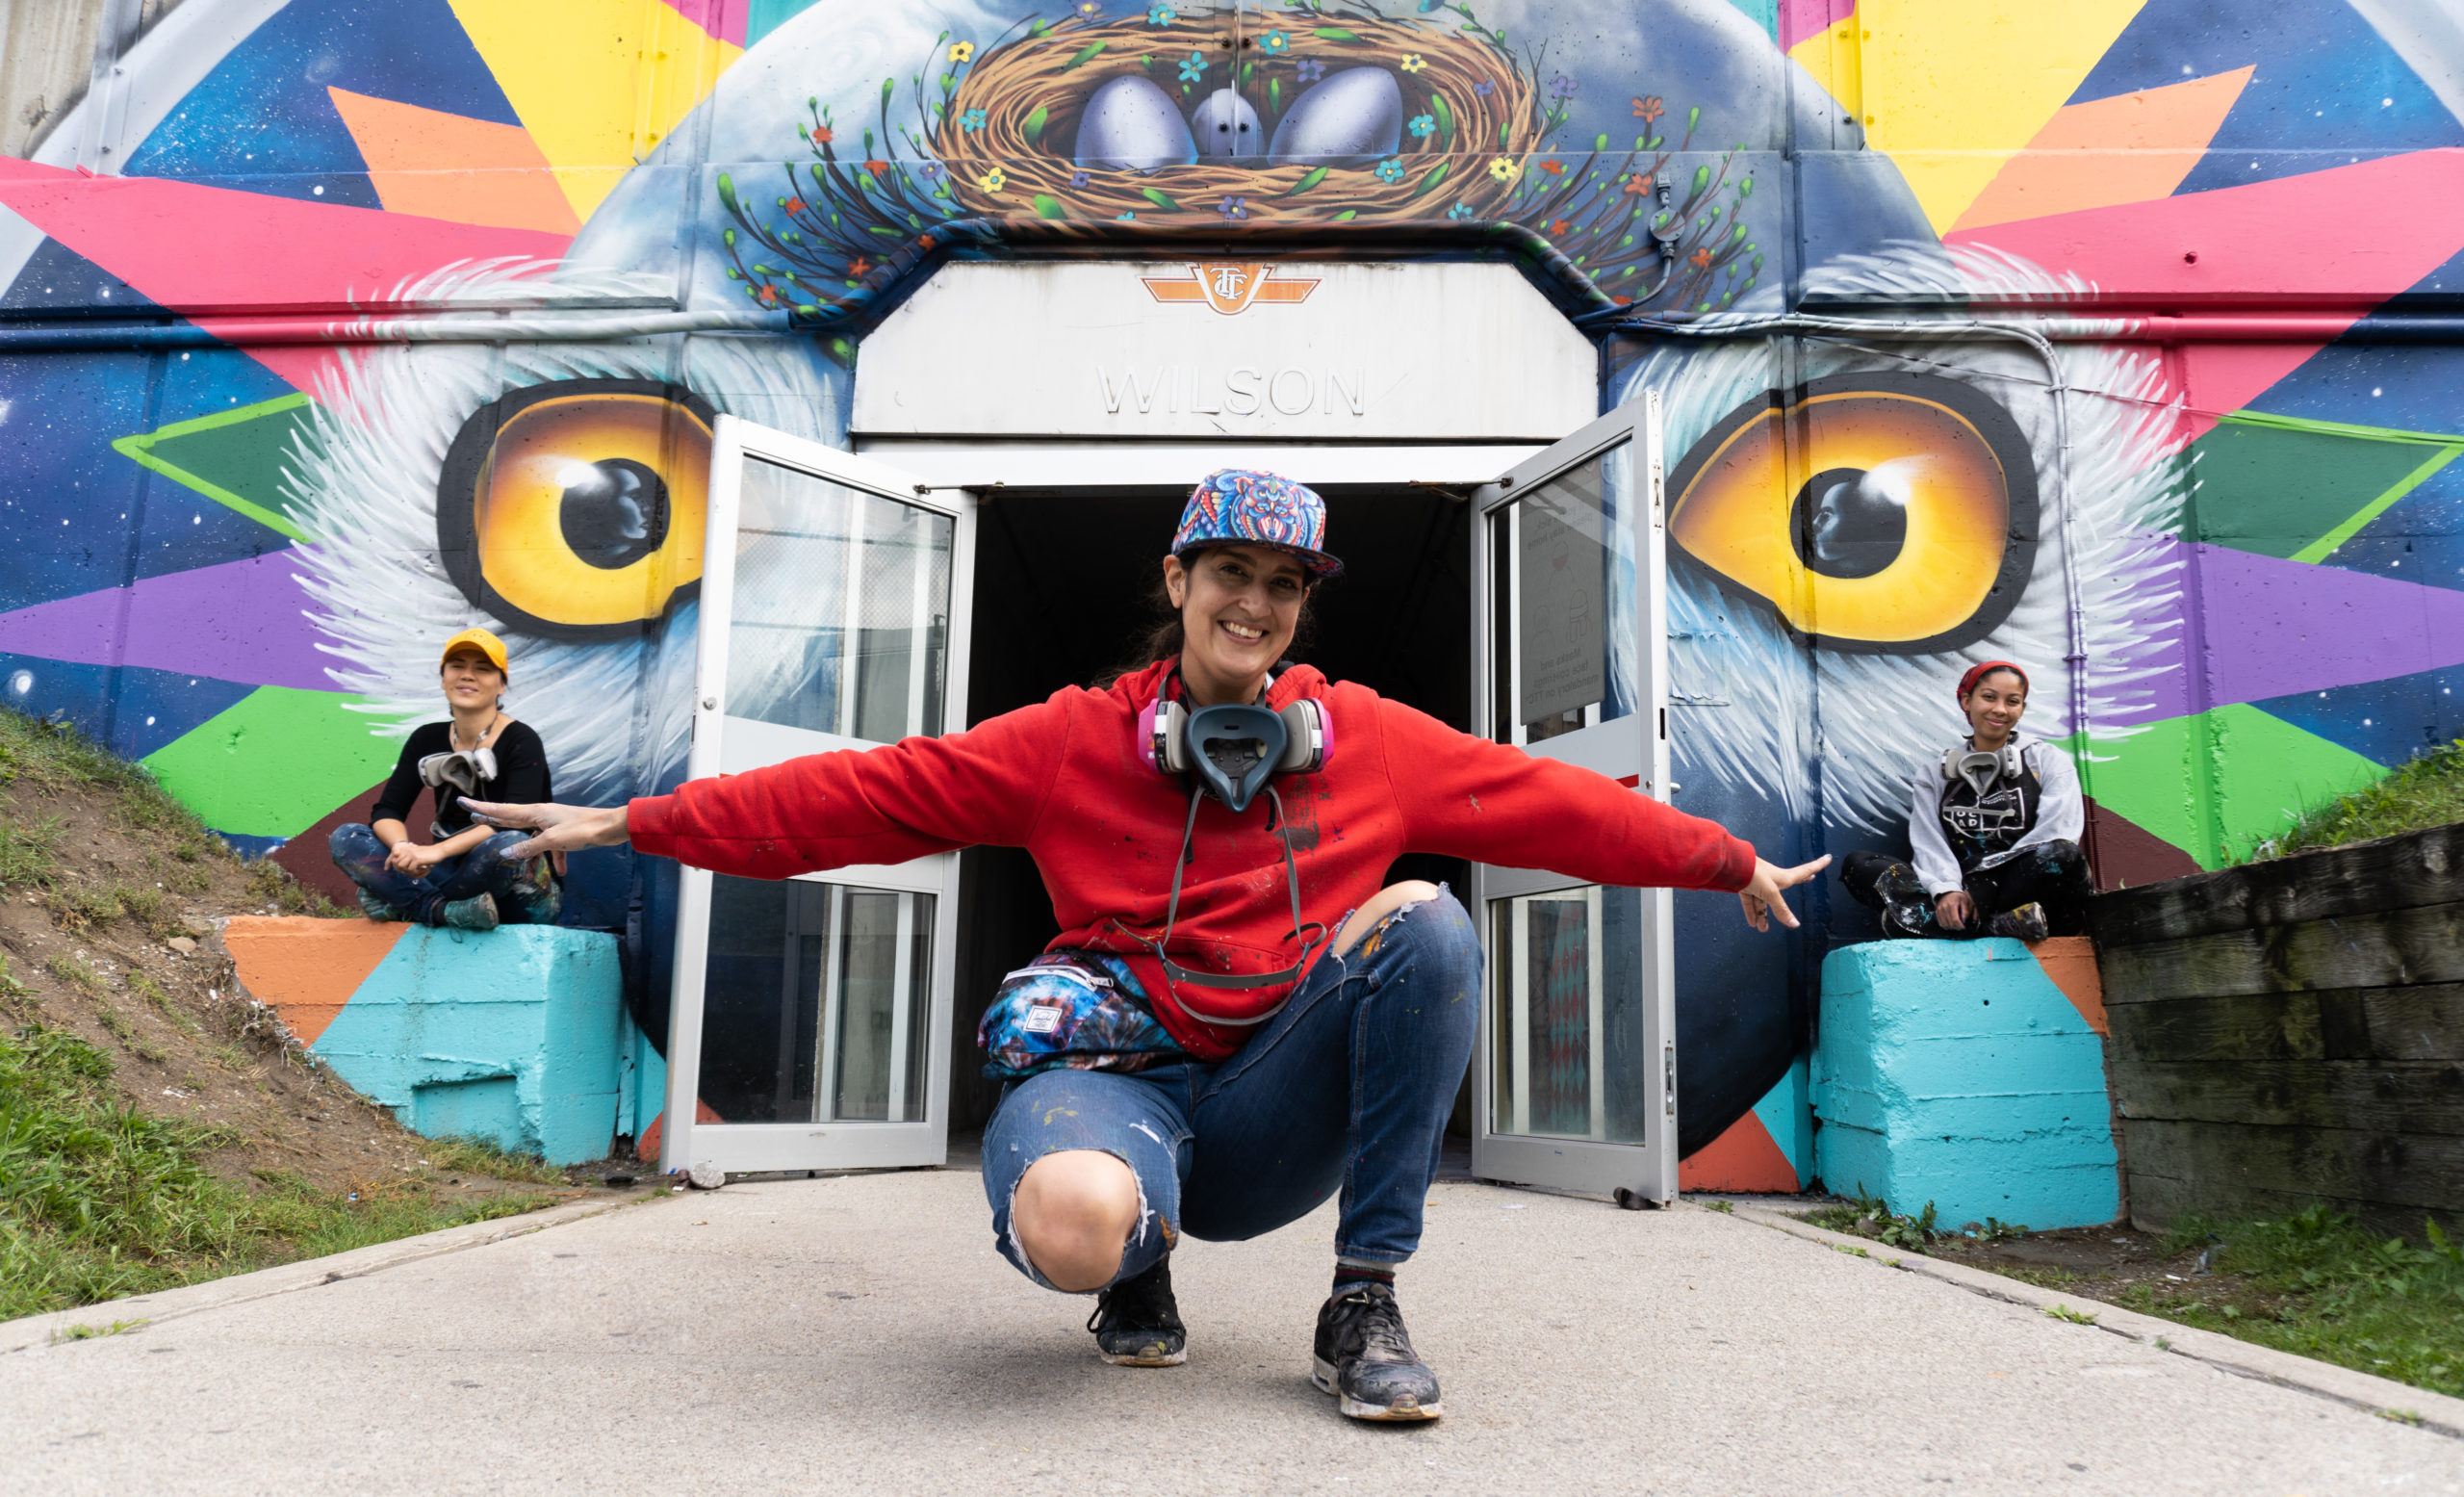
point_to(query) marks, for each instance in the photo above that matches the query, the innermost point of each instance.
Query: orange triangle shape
(2070, 963)
(1745, 1157)
(451, 167)
(305, 969)
(2125, 149)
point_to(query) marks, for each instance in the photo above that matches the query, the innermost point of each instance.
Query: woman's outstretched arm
(560, 828)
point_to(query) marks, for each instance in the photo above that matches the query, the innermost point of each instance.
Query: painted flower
(1077, 179)
(1090, 9)
(962, 51)
(1505, 170)
(1554, 168)
(791, 206)
(1648, 110)
(1563, 86)
(1161, 15)
(1458, 211)
(932, 170)
(1413, 62)
(1390, 171)
(1234, 207)
(878, 168)
(994, 180)
(1560, 227)
(859, 265)
(1640, 182)
(1484, 88)
(972, 120)
(768, 295)
(1310, 70)
(1423, 125)
(821, 135)
(1126, 218)
(1195, 68)
(1276, 42)
(1700, 259)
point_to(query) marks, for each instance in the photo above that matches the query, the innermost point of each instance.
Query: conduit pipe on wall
(222, 333)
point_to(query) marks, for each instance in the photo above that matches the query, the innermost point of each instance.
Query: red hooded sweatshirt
(1063, 779)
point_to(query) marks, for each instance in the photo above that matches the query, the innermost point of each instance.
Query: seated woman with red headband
(1993, 826)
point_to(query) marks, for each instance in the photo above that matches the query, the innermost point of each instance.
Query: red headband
(1977, 672)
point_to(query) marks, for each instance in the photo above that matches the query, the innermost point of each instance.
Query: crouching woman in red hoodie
(1237, 1021)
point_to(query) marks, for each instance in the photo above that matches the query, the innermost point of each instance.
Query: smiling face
(1994, 707)
(1239, 607)
(472, 681)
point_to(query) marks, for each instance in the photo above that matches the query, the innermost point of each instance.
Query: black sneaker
(1365, 1358)
(1137, 1324)
(2027, 923)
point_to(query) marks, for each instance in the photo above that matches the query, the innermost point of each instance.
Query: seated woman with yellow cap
(461, 878)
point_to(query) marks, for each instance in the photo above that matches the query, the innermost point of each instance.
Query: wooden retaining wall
(2293, 1031)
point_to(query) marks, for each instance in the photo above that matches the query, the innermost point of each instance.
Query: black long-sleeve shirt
(521, 778)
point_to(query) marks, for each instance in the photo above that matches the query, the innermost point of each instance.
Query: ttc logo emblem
(1230, 289)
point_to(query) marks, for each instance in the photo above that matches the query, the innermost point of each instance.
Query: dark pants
(525, 892)
(2053, 874)
(1348, 1088)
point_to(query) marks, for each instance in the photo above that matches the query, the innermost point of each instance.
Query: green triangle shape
(233, 457)
(2297, 489)
(2218, 783)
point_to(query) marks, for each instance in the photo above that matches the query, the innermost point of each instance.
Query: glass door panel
(810, 1016)
(1575, 1085)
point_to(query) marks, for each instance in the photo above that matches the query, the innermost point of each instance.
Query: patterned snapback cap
(1240, 506)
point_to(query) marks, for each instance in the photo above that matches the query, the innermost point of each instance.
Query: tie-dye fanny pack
(1079, 1009)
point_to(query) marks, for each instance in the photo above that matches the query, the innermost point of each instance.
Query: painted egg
(1133, 125)
(1351, 119)
(1228, 126)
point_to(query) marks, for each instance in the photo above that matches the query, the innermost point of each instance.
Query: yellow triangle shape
(599, 84)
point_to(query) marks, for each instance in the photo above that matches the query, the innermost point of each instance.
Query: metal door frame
(1633, 749)
(719, 747)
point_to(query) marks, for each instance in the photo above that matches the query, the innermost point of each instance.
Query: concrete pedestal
(1956, 1073)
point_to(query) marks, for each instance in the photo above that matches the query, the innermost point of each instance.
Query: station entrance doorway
(827, 1021)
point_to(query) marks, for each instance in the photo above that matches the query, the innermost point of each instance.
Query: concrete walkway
(860, 1334)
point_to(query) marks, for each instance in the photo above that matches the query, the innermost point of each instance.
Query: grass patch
(29, 851)
(2426, 791)
(99, 1200)
(474, 1155)
(77, 974)
(2320, 1284)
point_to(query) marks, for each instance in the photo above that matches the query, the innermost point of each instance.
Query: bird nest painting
(1320, 116)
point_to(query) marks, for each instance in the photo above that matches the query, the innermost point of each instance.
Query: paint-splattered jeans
(1347, 1088)
(526, 894)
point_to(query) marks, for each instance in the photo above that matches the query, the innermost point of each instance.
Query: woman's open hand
(559, 828)
(1762, 897)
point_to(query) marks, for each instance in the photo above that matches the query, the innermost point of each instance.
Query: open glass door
(811, 1022)
(1576, 1075)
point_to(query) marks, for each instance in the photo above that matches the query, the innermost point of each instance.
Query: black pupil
(1846, 523)
(614, 512)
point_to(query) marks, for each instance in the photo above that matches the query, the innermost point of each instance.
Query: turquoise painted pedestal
(1956, 1072)
(511, 1035)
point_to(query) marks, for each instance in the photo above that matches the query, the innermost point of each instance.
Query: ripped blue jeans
(1348, 1088)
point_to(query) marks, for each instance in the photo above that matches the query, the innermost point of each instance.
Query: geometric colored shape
(724, 19)
(132, 712)
(233, 457)
(1786, 1112)
(1952, 90)
(2386, 722)
(646, 1149)
(2069, 964)
(2279, 486)
(2219, 379)
(451, 167)
(240, 621)
(594, 92)
(2396, 218)
(2269, 628)
(2218, 784)
(1799, 19)
(305, 854)
(2129, 856)
(2125, 149)
(1743, 1157)
(306, 969)
(1956, 1074)
(275, 762)
(510, 1035)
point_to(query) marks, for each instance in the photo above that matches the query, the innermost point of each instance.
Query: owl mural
(1853, 519)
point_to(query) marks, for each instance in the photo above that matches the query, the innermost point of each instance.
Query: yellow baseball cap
(478, 639)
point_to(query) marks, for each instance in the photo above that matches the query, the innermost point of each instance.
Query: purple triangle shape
(244, 621)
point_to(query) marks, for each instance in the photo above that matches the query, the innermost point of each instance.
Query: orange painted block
(306, 969)
(1744, 1157)
(646, 1148)
(2130, 148)
(2071, 961)
(442, 166)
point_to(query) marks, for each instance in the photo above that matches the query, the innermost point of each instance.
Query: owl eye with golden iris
(577, 509)
(1875, 512)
